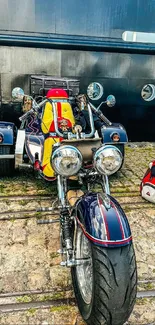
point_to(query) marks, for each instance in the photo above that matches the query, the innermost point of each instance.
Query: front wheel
(104, 282)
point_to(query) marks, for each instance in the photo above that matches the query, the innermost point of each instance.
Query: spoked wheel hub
(84, 270)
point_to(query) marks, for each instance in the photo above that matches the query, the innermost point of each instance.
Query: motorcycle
(95, 236)
(10, 148)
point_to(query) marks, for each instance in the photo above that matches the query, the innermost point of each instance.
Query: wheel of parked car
(7, 166)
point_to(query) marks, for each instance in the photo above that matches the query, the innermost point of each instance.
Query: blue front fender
(104, 224)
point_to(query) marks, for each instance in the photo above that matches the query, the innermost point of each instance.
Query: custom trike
(17, 149)
(95, 237)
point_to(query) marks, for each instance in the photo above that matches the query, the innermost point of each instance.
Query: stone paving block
(143, 230)
(29, 249)
(143, 314)
(28, 256)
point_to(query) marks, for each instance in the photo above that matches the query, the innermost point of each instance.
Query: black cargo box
(39, 85)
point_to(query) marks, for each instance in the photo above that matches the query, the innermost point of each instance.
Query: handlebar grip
(42, 103)
(103, 118)
(24, 116)
(32, 110)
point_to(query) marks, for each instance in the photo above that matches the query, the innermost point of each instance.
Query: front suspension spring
(65, 224)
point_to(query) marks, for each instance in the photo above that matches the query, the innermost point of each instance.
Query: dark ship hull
(83, 40)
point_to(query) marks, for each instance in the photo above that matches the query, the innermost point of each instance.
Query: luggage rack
(40, 84)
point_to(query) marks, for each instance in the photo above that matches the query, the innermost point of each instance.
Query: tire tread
(6, 165)
(115, 286)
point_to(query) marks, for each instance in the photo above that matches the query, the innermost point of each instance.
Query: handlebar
(36, 106)
(89, 135)
(55, 118)
(91, 123)
(24, 116)
(100, 114)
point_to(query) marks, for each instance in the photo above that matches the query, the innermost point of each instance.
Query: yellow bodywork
(47, 125)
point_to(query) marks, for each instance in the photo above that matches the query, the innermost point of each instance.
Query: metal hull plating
(104, 226)
(84, 40)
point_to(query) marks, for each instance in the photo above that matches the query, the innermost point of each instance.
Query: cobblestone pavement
(34, 289)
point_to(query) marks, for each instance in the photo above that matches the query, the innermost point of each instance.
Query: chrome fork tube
(65, 223)
(106, 184)
(61, 191)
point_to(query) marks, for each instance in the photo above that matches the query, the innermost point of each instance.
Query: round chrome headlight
(107, 160)
(66, 160)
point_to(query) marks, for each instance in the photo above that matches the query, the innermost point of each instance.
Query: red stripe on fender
(107, 242)
(103, 242)
(119, 219)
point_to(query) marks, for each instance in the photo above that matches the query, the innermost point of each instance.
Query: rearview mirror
(111, 101)
(18, 94)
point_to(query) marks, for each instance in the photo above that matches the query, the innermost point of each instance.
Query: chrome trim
(55, 117)
(42, 103)
(61, 194)
(20, 141)
(91, 123)
(73, 166)
(100, 114)
(7, 156)
(72, 135)
(84, 266)
(106, 184)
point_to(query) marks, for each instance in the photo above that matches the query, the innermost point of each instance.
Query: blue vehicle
(95, 236)
(8, 132)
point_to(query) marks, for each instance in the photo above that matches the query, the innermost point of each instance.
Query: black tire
(7, 166)
(114, 286)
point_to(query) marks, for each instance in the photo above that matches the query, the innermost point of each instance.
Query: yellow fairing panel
(64, 110)
(46, 165)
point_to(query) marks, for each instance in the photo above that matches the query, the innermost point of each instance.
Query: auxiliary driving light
(115, 137)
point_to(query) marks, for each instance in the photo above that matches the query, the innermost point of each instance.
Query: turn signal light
(37, 165)
(115, 137)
